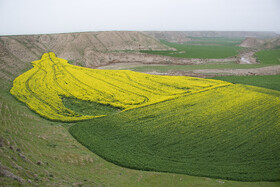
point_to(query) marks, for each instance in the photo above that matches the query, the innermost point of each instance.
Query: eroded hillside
(261, 43)
(87, 49)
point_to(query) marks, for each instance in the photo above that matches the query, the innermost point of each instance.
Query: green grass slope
(269, 56)
(226, 133)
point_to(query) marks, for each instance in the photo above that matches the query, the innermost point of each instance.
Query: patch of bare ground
(247, 57)
(256, 43)
(128, 65)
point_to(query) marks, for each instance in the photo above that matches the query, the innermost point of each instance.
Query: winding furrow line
(146, 99)
(36, 95)
(55, 80)
(100, 92)
(143, 87)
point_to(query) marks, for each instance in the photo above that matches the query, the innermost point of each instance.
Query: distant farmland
(269, 56)
(201, 49)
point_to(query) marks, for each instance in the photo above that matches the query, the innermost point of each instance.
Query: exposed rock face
(252, 43)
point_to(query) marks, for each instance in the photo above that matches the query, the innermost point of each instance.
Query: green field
(265, 57)
(204, 134)
(198, 51)
(269, 56)
(265, 81)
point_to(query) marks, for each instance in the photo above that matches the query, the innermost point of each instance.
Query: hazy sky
(56, 16)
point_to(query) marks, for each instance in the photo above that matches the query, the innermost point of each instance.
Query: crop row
(230, 132)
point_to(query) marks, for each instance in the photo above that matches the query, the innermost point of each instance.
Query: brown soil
(89, 49)
(247, 57)
(252, 43)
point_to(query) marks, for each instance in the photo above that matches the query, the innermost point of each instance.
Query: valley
(140, 109)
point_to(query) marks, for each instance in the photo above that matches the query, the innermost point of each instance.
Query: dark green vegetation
(87, 107)
(166, 68)
(269, 56)
(265, 81)
(198, 51)
(203, 134)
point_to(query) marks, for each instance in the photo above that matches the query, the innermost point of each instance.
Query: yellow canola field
(52, 78)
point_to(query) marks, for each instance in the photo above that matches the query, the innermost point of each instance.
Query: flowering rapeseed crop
(42, 87)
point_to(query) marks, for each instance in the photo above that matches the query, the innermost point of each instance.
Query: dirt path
(127, 65)
(270, 70)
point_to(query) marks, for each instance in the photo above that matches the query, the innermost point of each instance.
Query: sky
(62, 16)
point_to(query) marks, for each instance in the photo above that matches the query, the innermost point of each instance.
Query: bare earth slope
(88, 49)
(261, 43)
